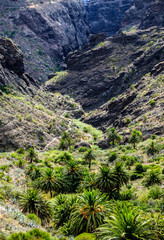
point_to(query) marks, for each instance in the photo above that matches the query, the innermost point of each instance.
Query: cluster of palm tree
(72, 179)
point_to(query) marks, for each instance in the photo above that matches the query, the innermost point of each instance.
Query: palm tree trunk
(89, 164)
(51, 193)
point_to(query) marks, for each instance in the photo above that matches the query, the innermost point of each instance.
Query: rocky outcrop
(144, 14)
(106, 15)
(12, 75)
(45, 30)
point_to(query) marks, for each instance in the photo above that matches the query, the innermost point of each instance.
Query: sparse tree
(135, 137)
(152, 149)
(105, 180)
(33, 201)
(31, 154)
(113, 136)
(89, 156)
(49, 182)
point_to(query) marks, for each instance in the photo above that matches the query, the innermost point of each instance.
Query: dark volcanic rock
(12, 68)
(98, 73)
(11, 56)
(106, 15)
(144, 14)
(45, 30)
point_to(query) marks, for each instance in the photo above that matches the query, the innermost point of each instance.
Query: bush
(83, 149)
(86, 236)
(153, 177)
(139, 168)
(152, 103)
(34, 218)
(64, 157)
(129, 160)
(2, 236)
(152, 149)
(112, 157)
(135, 176)
(127, 194)
(21, 150)
(127, 121)
(155, 192)
(34, 234)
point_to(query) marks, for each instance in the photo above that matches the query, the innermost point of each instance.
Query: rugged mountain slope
(107, 72)
(45, 30)
(28, 114)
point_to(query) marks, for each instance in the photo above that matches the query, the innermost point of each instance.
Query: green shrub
(112, 157)
(127, 121)
(86, 236)
(64, 157)
(152, 103)
(127, 194)
(83, 149)
(135, 176)
(139, 168)
(129, 160)
(153, 177)
(21, 150)
(152, 149)
(85, 129)
(35, 234)
(34, 218)
(2, 236)
(155, 192)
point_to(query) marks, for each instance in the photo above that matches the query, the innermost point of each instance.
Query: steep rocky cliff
(46, 31)
(106, 15)
(144, 14)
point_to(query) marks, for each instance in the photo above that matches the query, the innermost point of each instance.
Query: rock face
(106, 15)
(144, 14)
(98, 73)
(109, 79)
(12, 68)
(46, 31)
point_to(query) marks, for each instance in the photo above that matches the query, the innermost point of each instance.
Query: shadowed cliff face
(144, 14)
(106, 15)
(46, 31)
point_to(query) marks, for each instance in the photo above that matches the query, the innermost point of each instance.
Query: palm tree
(33, 201)
(135, 137)
(125, 223)
(105, 180)
(89, 156)
(31, 154)
(72, 175)
(153, 177)
(87, 183)
(49, 182)
(89, 213)
(120, 175)
(113, 136)
(65, 141)
(152, 149)
(63, 207)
